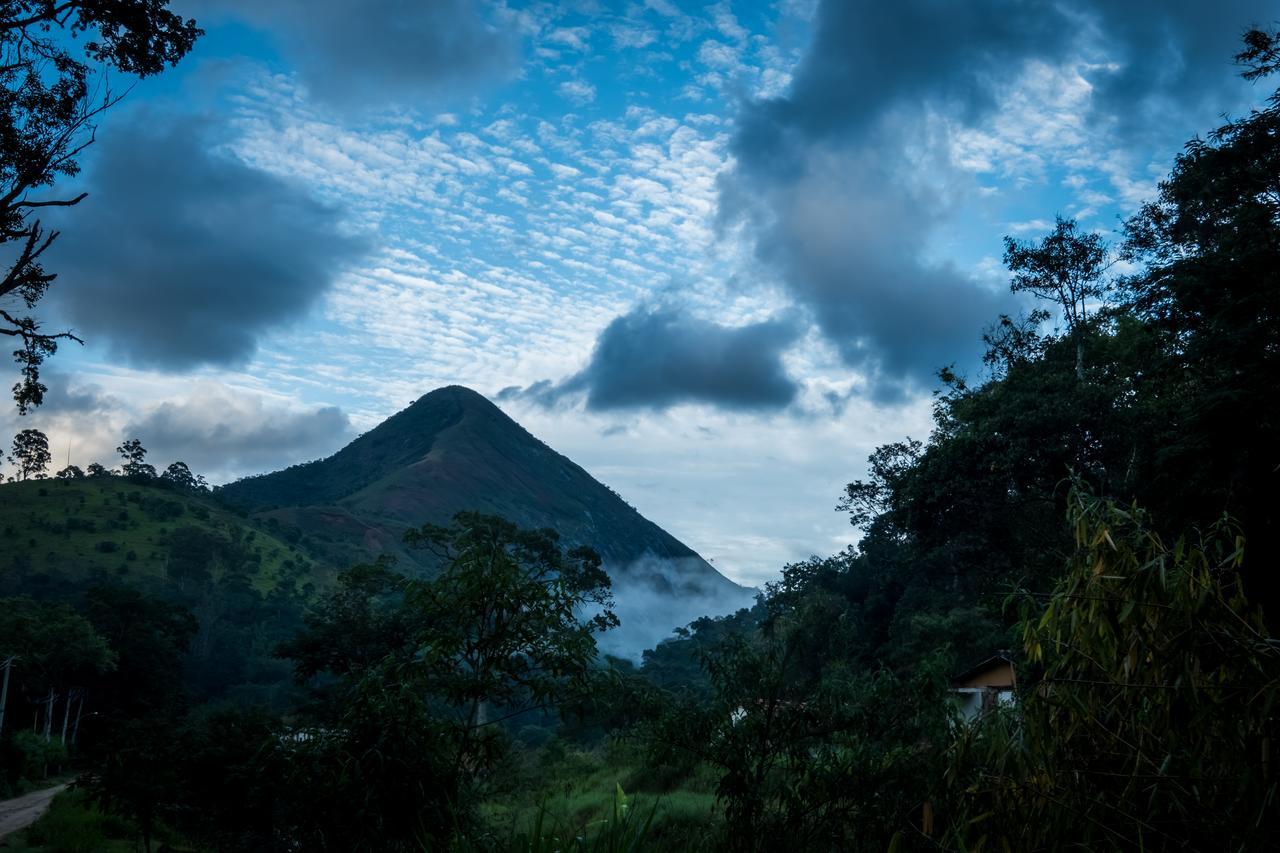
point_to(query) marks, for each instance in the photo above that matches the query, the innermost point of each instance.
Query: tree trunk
(1080, 360)
(48, 715)
(4, 691)
(66, 714)
(75, 730)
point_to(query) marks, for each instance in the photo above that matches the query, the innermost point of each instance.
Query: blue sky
(712, 252)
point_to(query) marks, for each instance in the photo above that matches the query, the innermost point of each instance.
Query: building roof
(1000, 659)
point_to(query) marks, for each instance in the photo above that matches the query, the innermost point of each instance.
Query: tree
(356, 626)
(71, 472)
(149, 638)
(56, 646)
(49, 106)
(136, 745)
(30, 454)
(1208, 289)
(1065, 268)
(180, 477)
(867, 500)
(1178, 413)
(194, 553)
(504, 620)
(1014, 343)
(135, 464)
(429, 669)
(139, 772)
(97, 469)
(814, 747)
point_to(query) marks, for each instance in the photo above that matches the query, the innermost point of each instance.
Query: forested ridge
(1096, 505)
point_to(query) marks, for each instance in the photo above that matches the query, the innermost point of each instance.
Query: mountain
(451, 451)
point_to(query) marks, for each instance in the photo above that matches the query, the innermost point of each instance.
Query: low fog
(654, 596)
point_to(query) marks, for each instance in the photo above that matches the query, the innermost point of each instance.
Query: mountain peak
(453, 450)
(453, 393)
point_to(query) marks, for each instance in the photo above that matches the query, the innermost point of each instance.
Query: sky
(713, 252)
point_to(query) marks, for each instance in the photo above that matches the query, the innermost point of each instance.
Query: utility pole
(4, 691)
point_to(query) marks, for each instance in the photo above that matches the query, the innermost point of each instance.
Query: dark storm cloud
(829, 176)
(227, 434)
(660, 358)
(381, 51)
(183, 255)
(867, 55)
(1173, 57)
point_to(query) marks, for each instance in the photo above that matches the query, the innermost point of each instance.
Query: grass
(571, 792)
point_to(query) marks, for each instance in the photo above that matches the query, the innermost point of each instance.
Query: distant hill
(246, 586)
(451, 451)
(66, 533)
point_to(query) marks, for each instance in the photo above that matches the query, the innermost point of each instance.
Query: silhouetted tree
(179, 476)
(134, 456)
(1065, 268)
(49, 106)
(30, 454)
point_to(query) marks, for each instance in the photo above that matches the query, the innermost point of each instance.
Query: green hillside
(246, 587)
(66, 533)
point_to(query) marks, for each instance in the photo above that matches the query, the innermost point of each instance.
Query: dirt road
(21, 812)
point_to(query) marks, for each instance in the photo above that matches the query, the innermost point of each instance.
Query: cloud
(848, 236)
(383, 51)
(221, 430)
(577, 91)
(658, 358)
(185, 256)
(844, 181)
(1164, 59)
(225, 432)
